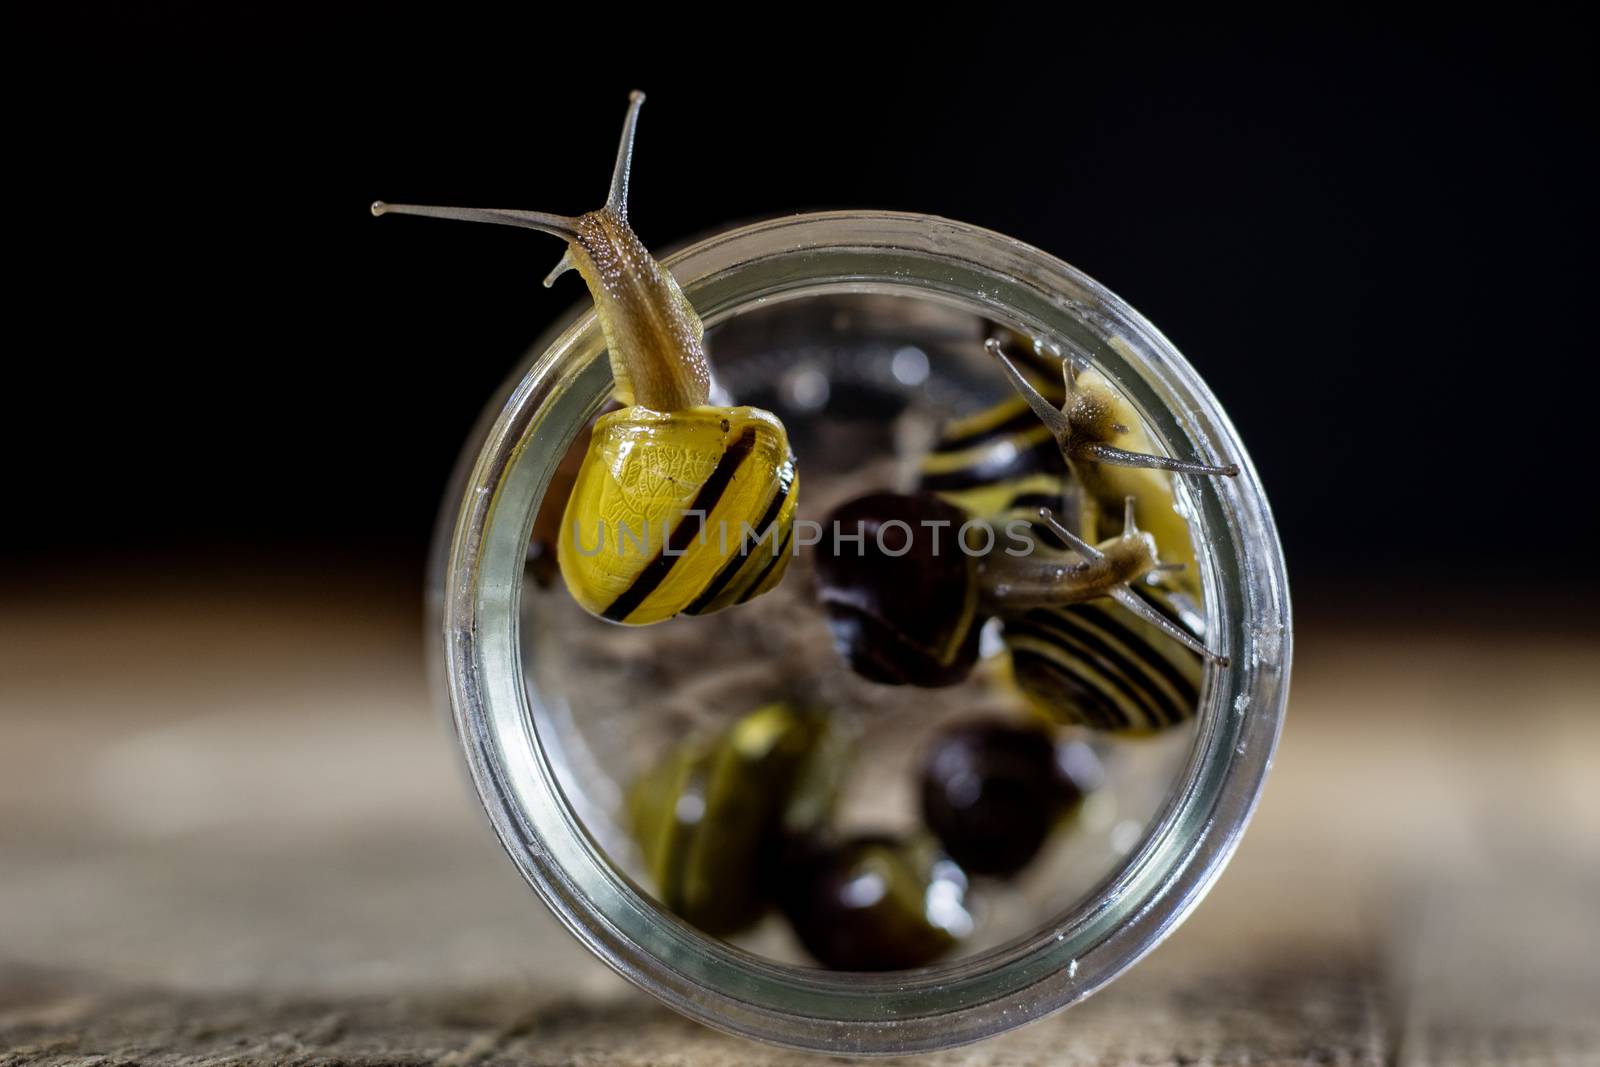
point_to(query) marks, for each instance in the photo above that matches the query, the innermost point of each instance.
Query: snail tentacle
(565, 264)
(1111, 456)
(1125, 596)
(563, 226)
(1076, 543)
(617, 197)
(1048, 413)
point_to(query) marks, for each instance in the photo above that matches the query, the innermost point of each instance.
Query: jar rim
(477, 664)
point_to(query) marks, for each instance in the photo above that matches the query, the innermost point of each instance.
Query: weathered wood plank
(245, 840)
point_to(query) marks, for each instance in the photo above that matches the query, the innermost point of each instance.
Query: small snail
(1106, 447)
(679, 506)
(874, 903)
(706, 816)
(906, 608)
(992, 791)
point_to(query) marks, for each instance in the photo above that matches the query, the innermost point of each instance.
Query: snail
(874, 903)
(992, 791)
(1106, 447)
(708, 813)
(679, 506)
(907, 608)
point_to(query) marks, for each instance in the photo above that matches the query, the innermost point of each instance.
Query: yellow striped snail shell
(679, 506)
(687, 482)
(1097, 664)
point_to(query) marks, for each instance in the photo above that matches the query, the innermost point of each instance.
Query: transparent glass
(539, 802)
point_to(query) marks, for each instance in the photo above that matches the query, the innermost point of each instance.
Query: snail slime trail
(679, 506)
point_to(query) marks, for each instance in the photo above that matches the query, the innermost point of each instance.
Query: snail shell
(1097, 664)
(705, 816)
(686, 511)
(900, 619)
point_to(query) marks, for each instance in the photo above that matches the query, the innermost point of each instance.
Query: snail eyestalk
(1083, 426)
(555, 225)
(617, 198)
(1121, 592)
(668, 473)
(654, 337)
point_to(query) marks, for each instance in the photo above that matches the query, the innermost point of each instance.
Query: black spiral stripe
(1090, 704)
(1043, 456)
(1132, 653)
(685, 533)
(734, 565)
(750, 590)
(1182, 684)
(1018, 423)
(1091, 669)
(1075, 633)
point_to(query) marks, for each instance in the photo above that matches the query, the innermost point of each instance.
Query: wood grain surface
(234, 832)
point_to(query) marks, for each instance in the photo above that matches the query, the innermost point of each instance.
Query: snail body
(679, 506)
(1108, 451)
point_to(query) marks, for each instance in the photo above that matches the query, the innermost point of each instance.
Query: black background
(1374, 241)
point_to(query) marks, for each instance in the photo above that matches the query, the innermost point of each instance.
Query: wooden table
(236, 832)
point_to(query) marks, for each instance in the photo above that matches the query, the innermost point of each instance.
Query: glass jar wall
(863, 331)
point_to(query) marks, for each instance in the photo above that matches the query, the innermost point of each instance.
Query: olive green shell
(704, 815)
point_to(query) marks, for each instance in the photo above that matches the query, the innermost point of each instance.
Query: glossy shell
(992, 791)
(902, 602)
(678, 512)
(705, 815)
(976, 459)
(875, 903)
(999, 443)
(1099, 665)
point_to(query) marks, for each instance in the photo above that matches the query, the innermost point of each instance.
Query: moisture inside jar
(916, 743)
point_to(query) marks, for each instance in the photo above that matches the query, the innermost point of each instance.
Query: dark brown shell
(900, 619)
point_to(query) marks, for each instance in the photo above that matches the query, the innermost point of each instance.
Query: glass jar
(539, 797)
